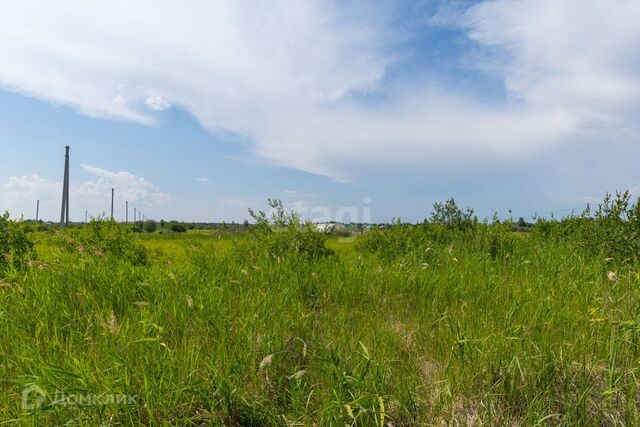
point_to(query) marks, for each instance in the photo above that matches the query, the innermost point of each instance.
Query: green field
(460, 324)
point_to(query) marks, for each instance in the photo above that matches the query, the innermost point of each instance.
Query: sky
(345, 110)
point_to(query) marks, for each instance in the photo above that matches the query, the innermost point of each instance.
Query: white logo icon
(33, 397)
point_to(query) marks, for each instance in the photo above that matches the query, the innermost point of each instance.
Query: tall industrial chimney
(112, 191)
(64, 213)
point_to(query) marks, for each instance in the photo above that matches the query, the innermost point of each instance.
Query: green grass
(205, 335)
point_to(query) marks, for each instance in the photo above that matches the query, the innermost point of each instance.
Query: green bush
(150, 226)
(176, 227)
(450, 215)
(281, 235)
(104, 239)
(612, 231)
(16, 248)
(420, 242)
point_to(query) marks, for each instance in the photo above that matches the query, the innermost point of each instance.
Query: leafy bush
(397, 241)
(419, 243)
(16, 248)
(612, 231)
(448, 227)
(150, 226)
(448, 223)
(176, 227)
(280, 235)
(451, 216)
(104, 238)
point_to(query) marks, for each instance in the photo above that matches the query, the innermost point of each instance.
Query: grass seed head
(38, 264)
(112, 324)
(298, 375)
(266, 361)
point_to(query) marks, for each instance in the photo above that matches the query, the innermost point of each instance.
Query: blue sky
(200, 110)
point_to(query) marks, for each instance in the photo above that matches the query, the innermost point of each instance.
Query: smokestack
(112, 191)
(126, 212)
(37, 209)
(64, 213)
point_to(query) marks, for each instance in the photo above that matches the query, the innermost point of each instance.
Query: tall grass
(413, 325)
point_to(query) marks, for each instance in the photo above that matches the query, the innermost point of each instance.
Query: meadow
(450, 322)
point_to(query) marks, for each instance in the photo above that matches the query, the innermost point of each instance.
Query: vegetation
(280, 236)
(101, 239)
(176, 227)
(450, 321)
(150, 226)
(16, 249)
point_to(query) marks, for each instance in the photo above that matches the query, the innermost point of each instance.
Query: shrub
(612, 231)
(150, 226)
(449, 227)
(450, 215)
(104, 238)
(281, 235)
(16, 248)
(176, 227)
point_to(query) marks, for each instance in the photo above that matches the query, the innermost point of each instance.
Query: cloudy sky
(198, 109)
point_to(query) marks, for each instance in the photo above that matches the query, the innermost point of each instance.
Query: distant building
(328, 227)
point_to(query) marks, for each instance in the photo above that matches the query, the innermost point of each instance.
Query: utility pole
(135, 218)
(126, 212)
(37, 209)
(64, 213)
(112, 191)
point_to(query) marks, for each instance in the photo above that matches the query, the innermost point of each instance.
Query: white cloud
(128, 187)
(21, 193)
(577, 55)
(157, 103)
(281, 73)
(119, 99)
(203, 180)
